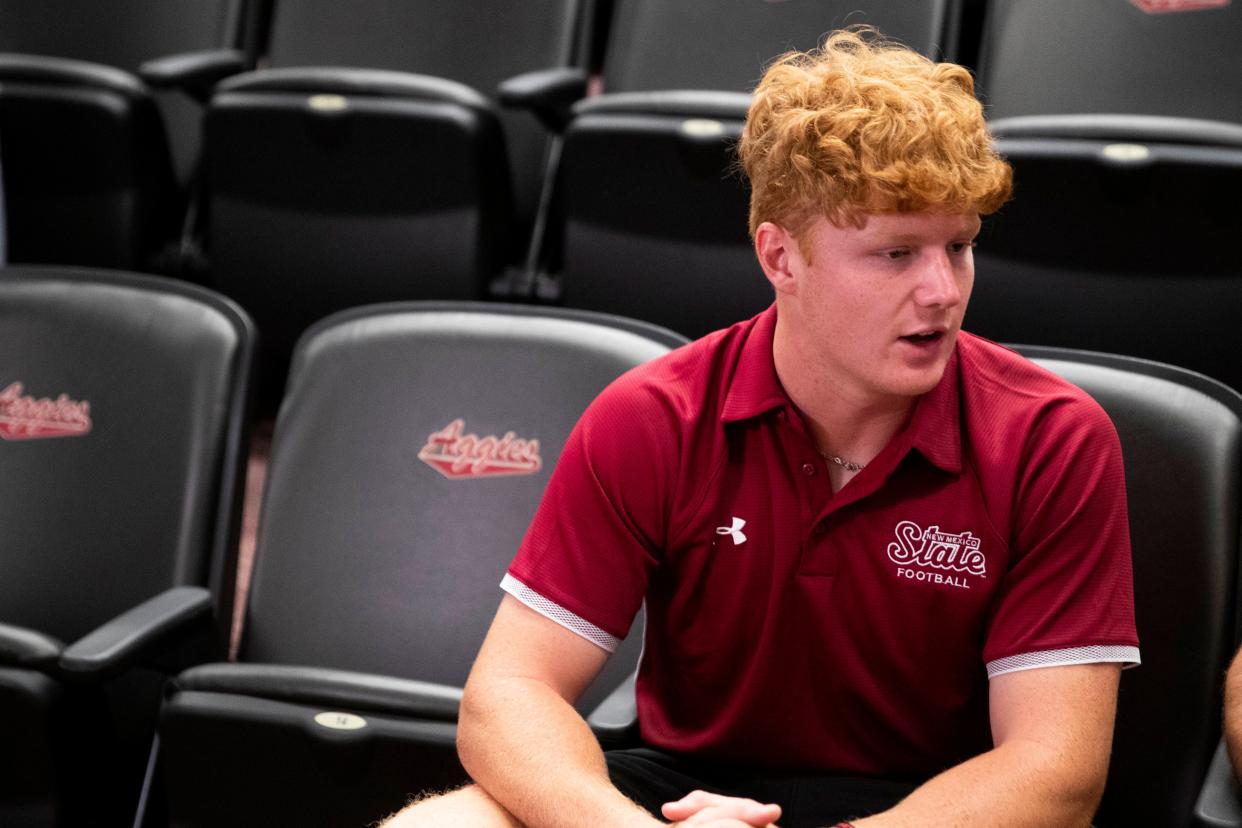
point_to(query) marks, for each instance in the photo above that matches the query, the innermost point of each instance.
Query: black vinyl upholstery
(1181, 437)
(650, 214)
(1058, 57)
(122, 431)
(92, 179)
(476, 43)
(1118, 240)
(1124, 130)
(367, 161)
(378, 565)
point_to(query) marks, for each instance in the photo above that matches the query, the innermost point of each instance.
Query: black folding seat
(650, 216)
(122, 429)
(1181, 436)
(331, 187)
(90, 176)
(1123, 122)
(1119, 246)
(411, 450)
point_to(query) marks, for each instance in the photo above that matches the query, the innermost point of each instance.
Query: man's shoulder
(1005, 394)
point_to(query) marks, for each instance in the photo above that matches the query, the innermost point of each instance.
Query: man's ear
(779, 256)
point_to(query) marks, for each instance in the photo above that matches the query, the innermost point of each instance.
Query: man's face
(879, 307)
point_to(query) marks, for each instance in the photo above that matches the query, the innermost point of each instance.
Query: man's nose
(938, 283)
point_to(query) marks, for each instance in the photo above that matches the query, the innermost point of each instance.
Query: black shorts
(652, 777)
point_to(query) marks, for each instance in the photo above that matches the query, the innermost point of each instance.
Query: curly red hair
(866, 125)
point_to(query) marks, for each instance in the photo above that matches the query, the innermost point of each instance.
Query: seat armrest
(194, 73)
(1220, 801)
(65, 72)
(20, 647)
(548, 93)
(169, 629)
(615, 720)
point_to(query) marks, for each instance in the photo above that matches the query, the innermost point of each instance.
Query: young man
(885, 564)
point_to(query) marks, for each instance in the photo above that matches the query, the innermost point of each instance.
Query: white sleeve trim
(1096, 654)
(555, 612)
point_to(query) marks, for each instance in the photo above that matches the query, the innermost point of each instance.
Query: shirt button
(808, 469)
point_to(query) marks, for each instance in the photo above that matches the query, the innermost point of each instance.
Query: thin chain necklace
(843, 463)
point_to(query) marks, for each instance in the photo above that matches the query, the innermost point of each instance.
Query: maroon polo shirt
(855, 632)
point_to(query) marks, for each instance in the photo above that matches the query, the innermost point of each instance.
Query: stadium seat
(411, 451)
(91, 179)
(367, 162)
(122, 432)
(649, 215)
(1181, 436)
(1170, 58)
(1119, 238)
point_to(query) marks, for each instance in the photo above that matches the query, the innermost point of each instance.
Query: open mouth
(924, 337)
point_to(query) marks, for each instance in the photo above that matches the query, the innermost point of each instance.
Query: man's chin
(916, 383)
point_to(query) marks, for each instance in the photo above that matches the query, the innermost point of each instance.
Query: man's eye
(894, 255)
(958, 248)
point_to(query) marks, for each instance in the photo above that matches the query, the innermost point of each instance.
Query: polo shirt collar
(934, 428)
(754, 388)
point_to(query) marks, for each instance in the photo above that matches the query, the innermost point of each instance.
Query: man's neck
(845, 421)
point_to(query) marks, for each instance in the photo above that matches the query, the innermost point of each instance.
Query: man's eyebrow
(884, 240)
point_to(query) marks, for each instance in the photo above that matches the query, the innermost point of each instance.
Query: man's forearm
(1015, 785)
(532, 752)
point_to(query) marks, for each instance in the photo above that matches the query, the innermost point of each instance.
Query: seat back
(368, 162)
(1087, 253)
(473, 42)
(121, 33)
(411, 451)
(122, 402)
(1153, 57)
(709, 44)
(1181, 437)
(650, 215)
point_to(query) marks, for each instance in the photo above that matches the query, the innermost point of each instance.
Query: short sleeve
(1068, 594)
(588, 554)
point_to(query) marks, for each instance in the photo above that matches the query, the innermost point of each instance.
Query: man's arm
(1052, 728)
(519, 735)
(1233, 714)
(525, 745)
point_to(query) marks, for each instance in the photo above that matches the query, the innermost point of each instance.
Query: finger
(705, 806)
(746, 812)
(690, 804)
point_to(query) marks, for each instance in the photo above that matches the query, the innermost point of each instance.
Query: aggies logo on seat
(456, 455)
(1163, 6)
(26, 418)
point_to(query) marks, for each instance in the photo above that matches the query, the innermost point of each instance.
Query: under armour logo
(734, 531)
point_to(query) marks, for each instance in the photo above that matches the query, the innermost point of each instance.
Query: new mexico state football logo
(26, 418)
(456, 455)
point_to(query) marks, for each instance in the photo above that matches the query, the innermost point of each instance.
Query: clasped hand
(708, 810)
